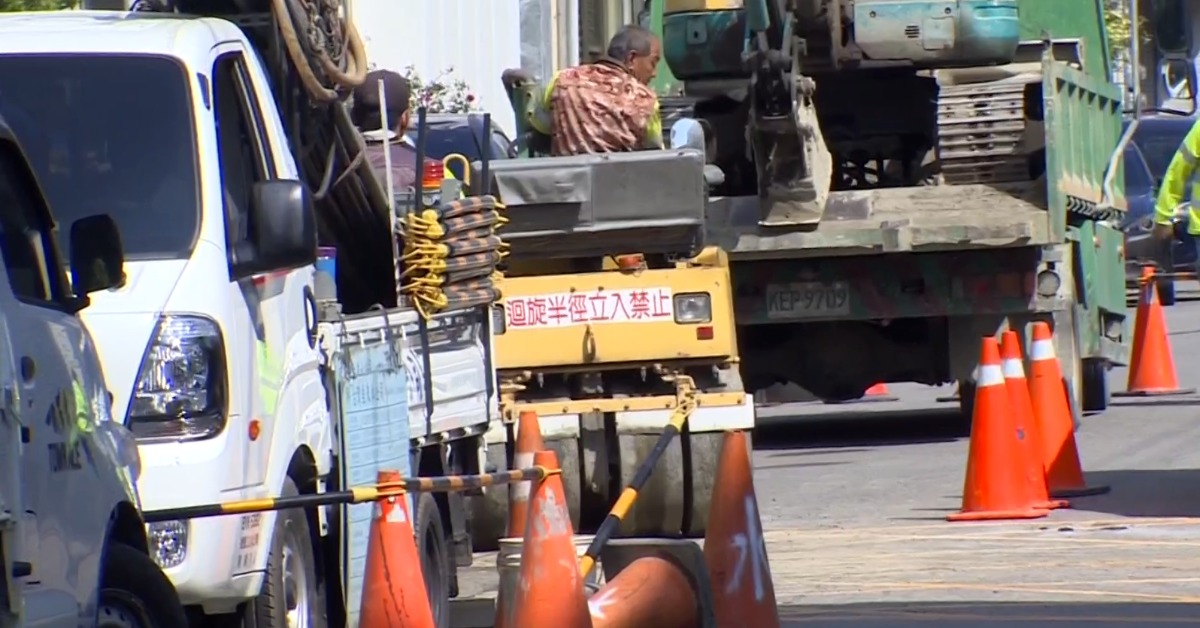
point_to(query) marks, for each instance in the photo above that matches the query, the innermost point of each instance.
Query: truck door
(273, 330)
(59, 476)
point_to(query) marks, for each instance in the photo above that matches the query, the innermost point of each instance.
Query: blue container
(325, 287)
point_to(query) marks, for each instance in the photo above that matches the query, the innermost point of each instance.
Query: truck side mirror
(283, 229)
(96, 256)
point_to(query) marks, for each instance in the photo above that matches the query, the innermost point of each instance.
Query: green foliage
(8, 6)
(1116, 22)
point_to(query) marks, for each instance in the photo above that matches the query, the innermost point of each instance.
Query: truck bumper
(717, 412)
(215, 562)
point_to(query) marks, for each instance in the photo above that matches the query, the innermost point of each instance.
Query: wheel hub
(295, 585)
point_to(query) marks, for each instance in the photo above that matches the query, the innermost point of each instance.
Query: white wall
(479, 38)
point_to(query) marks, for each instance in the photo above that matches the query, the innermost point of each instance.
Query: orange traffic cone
(550, 590)
(1029, 442)
(529, 441)
(878, 392)
(1151, 367)
(393, 591)
(996, 487)
(1052, 414)
(734, 548)
(650, 591)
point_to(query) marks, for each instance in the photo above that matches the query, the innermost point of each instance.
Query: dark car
(1154, 143)
(462, 133)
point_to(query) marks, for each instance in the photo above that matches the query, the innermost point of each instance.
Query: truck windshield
(110, 134)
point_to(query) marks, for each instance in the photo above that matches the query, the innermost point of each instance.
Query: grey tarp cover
(587, 205)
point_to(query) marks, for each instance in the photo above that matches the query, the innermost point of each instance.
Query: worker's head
(638, 49)
(365, 111)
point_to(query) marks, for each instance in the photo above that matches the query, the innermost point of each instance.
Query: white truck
(235, 381)
(73, 548)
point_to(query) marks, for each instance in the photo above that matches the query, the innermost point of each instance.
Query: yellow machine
(609, 297)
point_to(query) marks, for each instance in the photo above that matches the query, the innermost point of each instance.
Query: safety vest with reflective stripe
(1181, 178)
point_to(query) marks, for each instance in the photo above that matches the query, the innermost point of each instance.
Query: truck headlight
(181, 388)
(695, 307)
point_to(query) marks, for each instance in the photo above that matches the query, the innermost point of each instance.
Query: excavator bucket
(796, 183)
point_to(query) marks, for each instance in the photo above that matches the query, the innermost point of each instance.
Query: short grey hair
(631, 38)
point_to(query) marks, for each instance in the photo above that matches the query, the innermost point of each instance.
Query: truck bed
(891, 220)
(377, 367)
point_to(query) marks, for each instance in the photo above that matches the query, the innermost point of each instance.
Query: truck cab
(73, 548)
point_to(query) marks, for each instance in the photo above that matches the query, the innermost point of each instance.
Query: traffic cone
(996, 487)
(1055, 425)
(1151, 367)
(393, 591)
(550, 590)
(529, 442)
(878, 392)
(734, 548)
(650, 591)
(1021, 407)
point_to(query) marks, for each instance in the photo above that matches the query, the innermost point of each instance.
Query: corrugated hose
(451, 253)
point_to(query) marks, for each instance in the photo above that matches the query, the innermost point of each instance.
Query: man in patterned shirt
(602, 107)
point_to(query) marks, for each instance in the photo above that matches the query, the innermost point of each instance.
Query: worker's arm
(540, 118)
(654, 132)
(1179, 174)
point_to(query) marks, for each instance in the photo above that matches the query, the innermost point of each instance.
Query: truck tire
(434, 549)
(966, 400)
(135, 593)
(1096, 394)
(290, 594)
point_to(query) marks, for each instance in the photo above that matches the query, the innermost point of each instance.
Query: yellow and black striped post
(355, 495)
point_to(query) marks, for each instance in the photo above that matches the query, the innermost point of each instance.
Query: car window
(110, 134)
(1137, 177)
(26, 236)
(1158, 146)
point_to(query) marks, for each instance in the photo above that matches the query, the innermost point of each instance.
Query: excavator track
(981, 133)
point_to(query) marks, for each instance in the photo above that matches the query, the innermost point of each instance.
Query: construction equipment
(611, 302)
(902, 177)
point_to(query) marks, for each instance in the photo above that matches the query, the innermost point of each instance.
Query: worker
(367, 116)
(605, 106)
(1180, 180)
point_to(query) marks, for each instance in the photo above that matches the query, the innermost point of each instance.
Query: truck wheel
(435, 558)
(135, 593)
(488, 513)
(1096, 394)
(966, 400)
(290, 595)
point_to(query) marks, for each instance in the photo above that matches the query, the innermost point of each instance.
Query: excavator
(902, 177)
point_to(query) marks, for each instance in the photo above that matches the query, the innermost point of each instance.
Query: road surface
(854, 499)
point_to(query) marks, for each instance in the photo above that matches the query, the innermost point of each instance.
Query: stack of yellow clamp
(451, 253)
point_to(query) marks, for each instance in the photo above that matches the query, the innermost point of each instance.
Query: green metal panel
(1083, 124)
(1100, 288)
(664, 83)
(1063, 19)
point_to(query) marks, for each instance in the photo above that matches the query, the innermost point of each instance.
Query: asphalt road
(854, 498)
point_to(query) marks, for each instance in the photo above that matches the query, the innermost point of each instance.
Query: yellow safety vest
(1181, 177)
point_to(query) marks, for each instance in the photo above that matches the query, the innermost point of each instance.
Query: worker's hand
(1164, 232)
(513, 77)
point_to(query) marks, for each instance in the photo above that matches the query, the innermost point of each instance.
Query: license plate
(807, 300)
